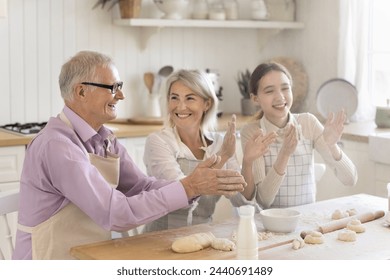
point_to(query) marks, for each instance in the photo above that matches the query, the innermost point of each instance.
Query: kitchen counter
(359, 131)
(374, 243)
(122, 128)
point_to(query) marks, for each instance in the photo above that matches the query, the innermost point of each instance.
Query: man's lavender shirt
(56, 171)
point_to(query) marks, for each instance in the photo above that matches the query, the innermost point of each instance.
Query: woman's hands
(228, 148)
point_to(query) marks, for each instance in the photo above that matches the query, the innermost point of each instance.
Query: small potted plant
(128, 8)
(248, 107)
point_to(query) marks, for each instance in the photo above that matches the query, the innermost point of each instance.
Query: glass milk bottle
(247, 248)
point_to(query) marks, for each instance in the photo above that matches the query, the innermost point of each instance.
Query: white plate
(337, 94)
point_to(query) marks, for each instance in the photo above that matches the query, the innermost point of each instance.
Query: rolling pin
(342, 223)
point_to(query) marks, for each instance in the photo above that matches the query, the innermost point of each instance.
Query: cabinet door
(8, 223)
(135, 147)
(330, 187)
(11, 163)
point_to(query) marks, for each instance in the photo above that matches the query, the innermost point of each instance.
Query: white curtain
(3, 8)
(353, 53)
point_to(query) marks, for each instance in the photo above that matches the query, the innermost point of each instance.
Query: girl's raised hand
(290, 141)
(258, 145)
(333, 128)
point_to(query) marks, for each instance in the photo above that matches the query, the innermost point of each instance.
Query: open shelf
(151, 22)
(151, 26)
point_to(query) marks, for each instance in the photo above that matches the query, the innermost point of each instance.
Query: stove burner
(26, 128)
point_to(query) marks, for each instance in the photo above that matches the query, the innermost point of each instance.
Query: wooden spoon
(149, 81)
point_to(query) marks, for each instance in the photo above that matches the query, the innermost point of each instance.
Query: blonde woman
(186, 140)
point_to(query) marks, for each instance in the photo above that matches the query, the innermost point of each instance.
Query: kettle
(214, 78)
(382, 117)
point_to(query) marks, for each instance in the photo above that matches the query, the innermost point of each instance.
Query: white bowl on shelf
(172, 9)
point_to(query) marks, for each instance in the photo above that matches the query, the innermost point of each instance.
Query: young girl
(284, 176)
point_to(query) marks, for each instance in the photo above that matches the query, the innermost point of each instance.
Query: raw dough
(338, 214)
(314, 237)
(264, 235)
(193, 242)
(223, 244)
(352, 212)
(261, 235)
(356, 226)
(347, 235)
(298, 244)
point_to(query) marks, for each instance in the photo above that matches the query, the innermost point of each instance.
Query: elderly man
(78, 182)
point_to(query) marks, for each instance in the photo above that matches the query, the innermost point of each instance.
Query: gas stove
(24, 129)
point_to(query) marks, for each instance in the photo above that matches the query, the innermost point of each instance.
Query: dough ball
(356, 226)
(193, 242)
(338, 214)
(347, 235)
(314, 237)
(264, 235)
(298, 244)
(223, 244)
(233, 237)
(352, 212)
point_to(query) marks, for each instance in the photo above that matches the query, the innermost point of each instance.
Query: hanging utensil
(165, 71)
(149, 81)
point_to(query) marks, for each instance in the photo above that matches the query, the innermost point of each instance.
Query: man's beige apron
(70, 227)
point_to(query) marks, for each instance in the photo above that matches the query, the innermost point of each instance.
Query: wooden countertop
(122, 128)
(372, 244)
(359, 131)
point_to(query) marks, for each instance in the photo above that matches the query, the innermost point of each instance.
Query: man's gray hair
(81, 68)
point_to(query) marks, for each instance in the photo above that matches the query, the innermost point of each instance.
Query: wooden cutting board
(140, 121)
(372, 244)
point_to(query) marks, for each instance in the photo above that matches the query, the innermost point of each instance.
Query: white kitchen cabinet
(152, 25)
(11, 163)
(330, 187)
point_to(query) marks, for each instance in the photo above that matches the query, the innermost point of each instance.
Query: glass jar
(200, 9)
(231, 9)
(217, 11)
(258, 10)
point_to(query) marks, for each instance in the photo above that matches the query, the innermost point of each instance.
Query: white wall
(39, 35)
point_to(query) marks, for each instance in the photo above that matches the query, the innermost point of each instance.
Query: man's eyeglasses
(113, 87)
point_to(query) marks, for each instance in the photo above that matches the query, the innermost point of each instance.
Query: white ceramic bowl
(280, 219)
(173, 9)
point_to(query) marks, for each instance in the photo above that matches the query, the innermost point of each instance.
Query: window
(379, 52)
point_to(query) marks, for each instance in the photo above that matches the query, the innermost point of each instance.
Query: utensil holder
(153, 108)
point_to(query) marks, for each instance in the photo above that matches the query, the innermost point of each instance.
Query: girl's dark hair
(261, 70)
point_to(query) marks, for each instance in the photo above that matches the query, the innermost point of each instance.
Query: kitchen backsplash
(39, 35)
